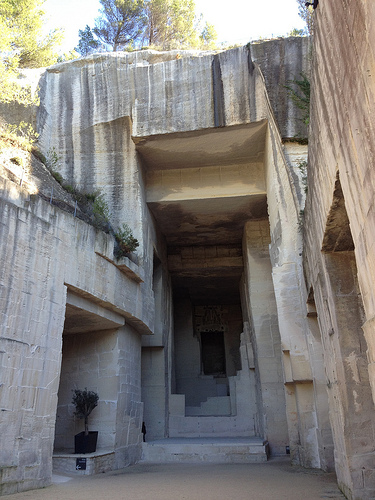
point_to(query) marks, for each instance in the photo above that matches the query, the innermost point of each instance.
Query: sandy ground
(274, 480)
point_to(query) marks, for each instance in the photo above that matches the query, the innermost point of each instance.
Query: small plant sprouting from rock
(94, 206)
(301, 220)
(52, 162)
(100, 211)
(53, 159)
(84, 401)
(24, 132)
(299, 92)
(22, 136)
(302, 167)
(125, 241)
(17, 161)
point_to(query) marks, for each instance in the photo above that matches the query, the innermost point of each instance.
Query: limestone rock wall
(47, 252)
(339, 233)
(281, 61)
(343, 92)
(32, 318)
(94, 112)
(91, 108)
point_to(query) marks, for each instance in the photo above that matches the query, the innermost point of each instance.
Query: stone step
(206, 450)
(219, 405)
(209, 426)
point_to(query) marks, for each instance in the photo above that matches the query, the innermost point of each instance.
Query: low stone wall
(84, 465)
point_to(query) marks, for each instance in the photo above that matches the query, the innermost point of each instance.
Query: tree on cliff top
(171, 24)
(306, 12)
(21, 40)
(21, 44)
(87, 43)
(122, 22)
(208, 37)
(162, 24)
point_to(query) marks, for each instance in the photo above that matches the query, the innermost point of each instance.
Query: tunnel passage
(202, 187)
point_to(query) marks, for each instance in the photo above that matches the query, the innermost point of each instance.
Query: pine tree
(307, 14)
(171, 24)
(87, 43)
(121, 22)
(22, 46)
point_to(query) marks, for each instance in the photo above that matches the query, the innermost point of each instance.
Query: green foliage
(17, 161)
(297, 32)
(84, 401)
(52, 162)
(92, 196)
(307, 14)
(68, 56)
(159, 24)
(299, 92)
(87, 43)
(302, 167)
(21, 46)
(121, 23)
(100, 211)
(92, 204)
(39, 155)
(22, 135)
(208, 37)
(172, 24)
(301, 220)
(125, 241)
(11, 90)
(58, 177)
(52, 159)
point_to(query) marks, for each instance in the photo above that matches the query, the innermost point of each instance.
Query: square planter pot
(85, 444)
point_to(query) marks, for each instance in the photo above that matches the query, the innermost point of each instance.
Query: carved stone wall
(188, 152)
(339, 230)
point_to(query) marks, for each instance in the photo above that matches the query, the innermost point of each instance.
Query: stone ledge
(206, 450)
(126, 266)
(100, 461)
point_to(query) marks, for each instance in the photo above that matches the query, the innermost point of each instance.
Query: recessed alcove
(89, 360)
(201, 188)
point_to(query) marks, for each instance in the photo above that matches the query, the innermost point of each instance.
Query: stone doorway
(213, 354)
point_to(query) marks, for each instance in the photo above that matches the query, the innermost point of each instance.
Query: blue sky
(236, 21)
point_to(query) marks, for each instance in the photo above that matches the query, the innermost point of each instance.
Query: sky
(236, 21)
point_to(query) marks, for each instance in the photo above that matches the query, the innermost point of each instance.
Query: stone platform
(74, 463)
(234, 450)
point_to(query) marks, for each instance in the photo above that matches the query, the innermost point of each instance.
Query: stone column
(299, 389)
(265, 336)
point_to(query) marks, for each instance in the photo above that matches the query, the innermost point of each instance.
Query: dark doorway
(213, 353)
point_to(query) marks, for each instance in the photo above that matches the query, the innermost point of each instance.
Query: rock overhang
(203, 185)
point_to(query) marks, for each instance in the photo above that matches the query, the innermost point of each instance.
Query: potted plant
(85, 401)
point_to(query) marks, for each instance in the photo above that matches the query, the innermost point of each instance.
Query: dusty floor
(275, 480)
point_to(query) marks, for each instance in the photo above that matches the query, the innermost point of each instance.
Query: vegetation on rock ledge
(23, 46)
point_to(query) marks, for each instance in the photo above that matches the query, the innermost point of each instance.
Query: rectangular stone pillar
(299, 390)
(260, 302)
